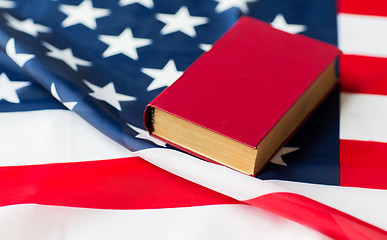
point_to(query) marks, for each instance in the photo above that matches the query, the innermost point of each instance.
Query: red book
(239, 102)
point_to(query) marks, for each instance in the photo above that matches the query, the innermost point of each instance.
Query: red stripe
(129, 183)
(363, 164)
(364, 7)
(324, 219)
(359, 74)
(132, 183)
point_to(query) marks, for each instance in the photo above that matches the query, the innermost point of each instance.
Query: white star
(7, 4)
(8, 88)
(145, 3)
(142, 134)
(27, 26)
(19, 58)
(108, 94)
(83, 13)
(162, 77)
(124, 43)
(224, 5)
(205, 47)
(65, 55)
(69, 105)
(180, 21)
(277, 159)
(280, 23)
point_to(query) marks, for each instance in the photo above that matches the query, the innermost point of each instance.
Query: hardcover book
(238, 103)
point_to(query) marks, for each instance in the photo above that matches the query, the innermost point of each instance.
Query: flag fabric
(78, 164)
(363, 75)
(120, 197)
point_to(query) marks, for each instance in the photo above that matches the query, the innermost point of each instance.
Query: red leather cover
(249, 79)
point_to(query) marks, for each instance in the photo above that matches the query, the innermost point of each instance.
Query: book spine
(148, 118)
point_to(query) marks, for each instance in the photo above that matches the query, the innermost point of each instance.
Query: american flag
(76, 162)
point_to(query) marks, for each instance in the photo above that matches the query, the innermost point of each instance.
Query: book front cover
(249, 79)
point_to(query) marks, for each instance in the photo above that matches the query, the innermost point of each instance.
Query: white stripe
(366, 204)
(61, 136)
(213, 176)
(362, 35)
(47, 136)
(37, 222)
(363, 117)
(370, 207)
(51, 136)
(39, 137)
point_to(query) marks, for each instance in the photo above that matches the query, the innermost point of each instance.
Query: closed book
(239, 102)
